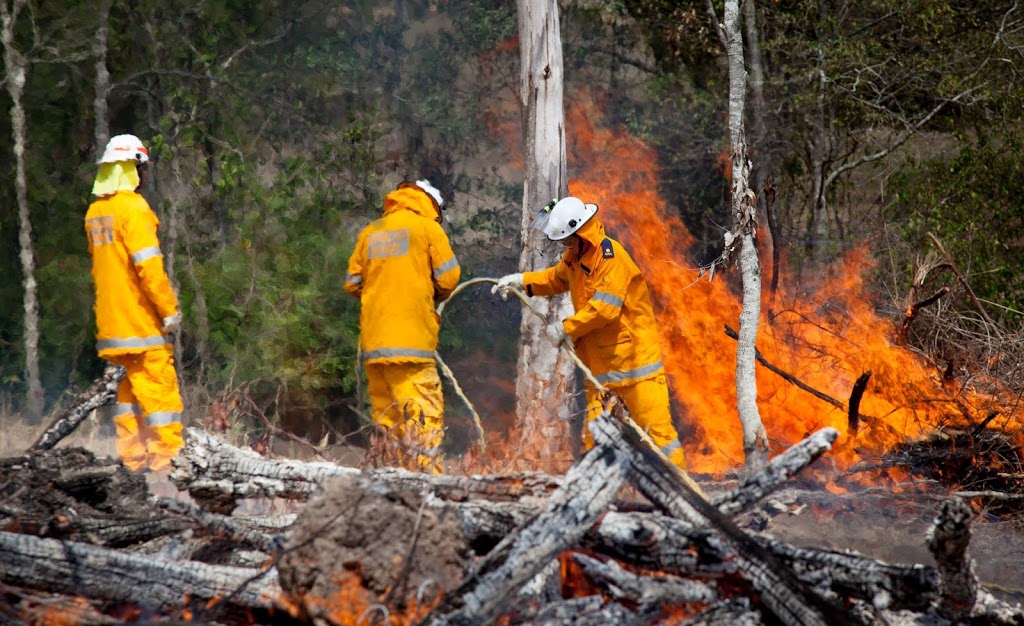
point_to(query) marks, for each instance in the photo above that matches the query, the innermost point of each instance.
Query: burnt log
(732, 612)
(74, 568)
(622, 585)
(948, 540)
(666, 486)
(589, 487)
(590, 611)
(101, 392)
(217, 474)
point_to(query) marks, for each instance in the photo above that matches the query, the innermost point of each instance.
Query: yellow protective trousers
(648, 404)
(148, 410)
(407, 400)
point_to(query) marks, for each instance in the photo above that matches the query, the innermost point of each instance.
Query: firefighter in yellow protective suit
(613, 328)
(136, 308)
(402, 267)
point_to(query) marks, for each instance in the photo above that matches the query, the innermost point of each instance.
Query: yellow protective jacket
(133, 293)
(401, 267)
(613, 328)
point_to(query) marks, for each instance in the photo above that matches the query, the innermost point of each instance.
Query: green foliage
(972, 203)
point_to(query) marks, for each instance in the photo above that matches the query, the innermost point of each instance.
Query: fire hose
(566, 345)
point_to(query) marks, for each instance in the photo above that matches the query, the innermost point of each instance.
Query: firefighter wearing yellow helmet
(402, 267)
(136, 308)
(613, 328)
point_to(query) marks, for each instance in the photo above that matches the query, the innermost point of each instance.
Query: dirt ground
(895, 530)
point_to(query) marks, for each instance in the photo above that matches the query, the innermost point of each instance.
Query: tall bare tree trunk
(102, 81)
(755, 441)
(16, 69)
(544, 373)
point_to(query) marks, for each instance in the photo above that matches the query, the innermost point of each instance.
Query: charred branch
(74, 568)
(589, 487)
(786, 597)
(948, 541)
(103, 391)
(786, 376)
(911, 313)
(855, 397)
(622, 584)
(218, 474)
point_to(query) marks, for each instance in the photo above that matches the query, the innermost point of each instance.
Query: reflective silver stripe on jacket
(146, 253)
(618, 377)
(353, 279)
(397, 352)
(446, 267)
(607, 298)
(162, 418)
(671, 447)
(121, 408)
(132, 342)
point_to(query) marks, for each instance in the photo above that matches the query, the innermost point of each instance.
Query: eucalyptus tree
(544, 373)
(740, 240)
(16, 63)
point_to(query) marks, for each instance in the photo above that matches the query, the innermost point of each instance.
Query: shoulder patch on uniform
(606, 248)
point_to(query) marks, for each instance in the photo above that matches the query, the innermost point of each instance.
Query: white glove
(556, 331)
(508, 282)
(172, 323)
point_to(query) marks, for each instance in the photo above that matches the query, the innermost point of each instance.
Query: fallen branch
(80, 569)
(589, 487)
(103, 391)
(789, 377)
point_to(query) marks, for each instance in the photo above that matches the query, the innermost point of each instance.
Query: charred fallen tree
(458, 549)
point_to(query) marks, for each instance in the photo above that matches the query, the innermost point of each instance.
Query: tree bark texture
(544, 374)
(209, 468)
(755, 440)
(948, 540)
(789, 599)
(102, 81)
(590, 486)
(16, 68)
(70, 568)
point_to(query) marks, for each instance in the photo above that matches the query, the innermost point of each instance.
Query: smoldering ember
(623, 537)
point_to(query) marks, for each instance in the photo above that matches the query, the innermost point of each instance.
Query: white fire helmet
(124, 148)
(430, 190)
(561, 218)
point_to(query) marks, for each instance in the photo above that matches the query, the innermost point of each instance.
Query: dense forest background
(276, 128)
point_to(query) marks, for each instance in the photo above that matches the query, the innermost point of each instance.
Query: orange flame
(826, 339)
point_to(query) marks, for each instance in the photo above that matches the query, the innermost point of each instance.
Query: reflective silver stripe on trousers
(353, 279)
(121, 408)
(607, 298)
(618, 377)
(162, 418)
(671, 447)
(397, 352)
(133, 342)
(146, 253)
(446, 267)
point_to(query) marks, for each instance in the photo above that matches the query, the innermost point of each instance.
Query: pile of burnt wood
(252, 540)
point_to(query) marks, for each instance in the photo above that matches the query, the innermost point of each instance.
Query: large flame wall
(827, 338)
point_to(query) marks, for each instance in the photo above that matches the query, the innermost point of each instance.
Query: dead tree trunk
(217, 474)
(544, 373)
(77, 568)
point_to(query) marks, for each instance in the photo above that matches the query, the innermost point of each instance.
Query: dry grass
(18, 435)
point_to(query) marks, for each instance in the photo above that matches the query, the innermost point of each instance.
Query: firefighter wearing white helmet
(613, 328)
(136, 308)
(401, 268)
